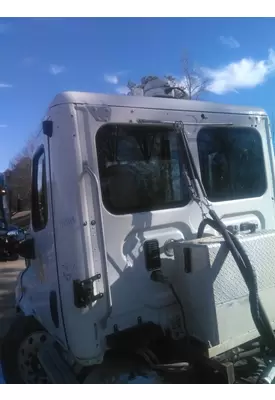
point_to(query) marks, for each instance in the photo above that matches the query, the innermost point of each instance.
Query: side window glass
(39, 192)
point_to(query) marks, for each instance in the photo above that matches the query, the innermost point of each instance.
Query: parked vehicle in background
(7, 230)
(9, 233)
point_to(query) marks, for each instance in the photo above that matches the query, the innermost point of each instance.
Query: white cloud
(56, 69)
(230, 42)
(3, 126)
(114, 77)
(111, 79)
(122, 90)
(5, 85)
(242, 74)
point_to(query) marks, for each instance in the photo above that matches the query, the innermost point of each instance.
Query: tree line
(18, 180)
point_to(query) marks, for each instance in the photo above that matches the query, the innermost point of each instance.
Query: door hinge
(84, 291)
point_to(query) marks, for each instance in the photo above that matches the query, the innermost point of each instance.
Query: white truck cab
(112, 256)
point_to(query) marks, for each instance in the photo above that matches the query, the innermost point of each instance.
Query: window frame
(245, 128)
(167, 206)
(35, 209)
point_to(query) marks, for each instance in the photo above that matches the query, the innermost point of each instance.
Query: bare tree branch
(196, 83)
(192, 85)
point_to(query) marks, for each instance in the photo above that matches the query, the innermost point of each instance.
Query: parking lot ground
(8, 275)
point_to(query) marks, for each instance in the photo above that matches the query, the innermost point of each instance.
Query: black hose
(193, 170)
(258, 314)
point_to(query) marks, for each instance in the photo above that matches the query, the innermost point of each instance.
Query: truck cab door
(41, 284)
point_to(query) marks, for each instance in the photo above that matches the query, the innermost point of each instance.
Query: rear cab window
(140, 168)
(231, 163)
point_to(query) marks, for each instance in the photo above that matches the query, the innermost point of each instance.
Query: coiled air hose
(234, 246)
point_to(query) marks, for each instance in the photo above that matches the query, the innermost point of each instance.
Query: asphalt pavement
(8, 274)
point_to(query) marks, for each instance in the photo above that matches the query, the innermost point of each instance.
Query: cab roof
(90, 98)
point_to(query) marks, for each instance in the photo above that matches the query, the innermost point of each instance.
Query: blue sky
(41, 57)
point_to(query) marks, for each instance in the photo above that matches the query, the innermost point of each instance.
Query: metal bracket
(101, 113)
(84, 291)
